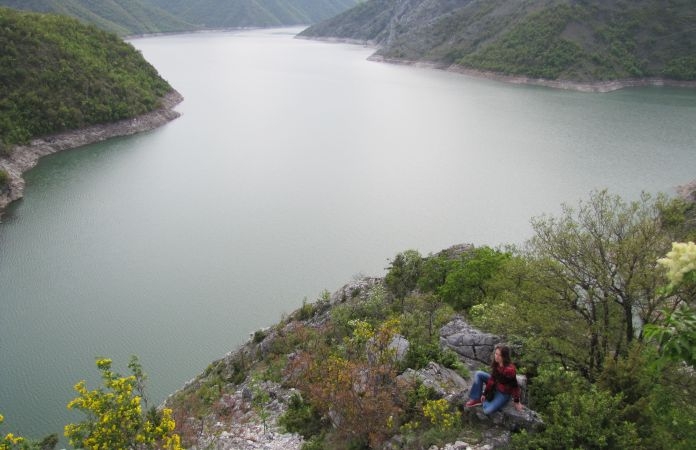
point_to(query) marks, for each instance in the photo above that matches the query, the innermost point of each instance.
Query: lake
(296, 166)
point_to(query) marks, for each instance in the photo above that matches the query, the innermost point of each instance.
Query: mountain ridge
(582, 41)
(137, 17)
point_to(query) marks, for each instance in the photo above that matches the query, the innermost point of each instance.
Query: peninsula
(66, 84)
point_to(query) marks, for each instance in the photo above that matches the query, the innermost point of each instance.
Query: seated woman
(500, 384)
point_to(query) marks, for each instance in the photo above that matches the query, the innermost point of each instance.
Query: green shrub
(4, 180)
(301, 418)
(577, 419)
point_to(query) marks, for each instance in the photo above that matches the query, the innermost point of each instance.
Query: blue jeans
(499, 399)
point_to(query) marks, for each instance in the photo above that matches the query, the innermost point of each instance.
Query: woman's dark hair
(504, 353)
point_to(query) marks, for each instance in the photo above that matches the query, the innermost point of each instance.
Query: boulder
(476, 349)
(509, 418)
(474, 346)
(445, 382)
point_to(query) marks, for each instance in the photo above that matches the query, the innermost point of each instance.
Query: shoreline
(22, 158)
(568, 85)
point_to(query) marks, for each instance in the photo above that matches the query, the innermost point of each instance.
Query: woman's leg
(480, 379)
(499, 400)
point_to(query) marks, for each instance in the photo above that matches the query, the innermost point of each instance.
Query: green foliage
(58, 74)
(532, 47)
(579, 420)
(125, 17)
(549, 381)
(129, 17)
(404, 271)
(373, 310)
(441, 414)
(466, 281)
(301, 418)
(260, 399)
(588, 40)
(114, 417)
(681, 68)
(676, 335)
(4, 180)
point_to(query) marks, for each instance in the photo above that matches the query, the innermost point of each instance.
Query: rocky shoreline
(580, 86)
(23, 157)
(590, 86)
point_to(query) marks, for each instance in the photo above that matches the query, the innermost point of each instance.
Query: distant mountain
(128, 17)
(253, 13)
(579, 40)
(124, 17)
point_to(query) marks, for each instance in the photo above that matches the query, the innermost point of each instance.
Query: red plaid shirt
(504, 378)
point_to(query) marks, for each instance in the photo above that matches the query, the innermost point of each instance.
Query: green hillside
(253, 13)
(124, 17)
(58, 74)
(578, 40)
(128, 17)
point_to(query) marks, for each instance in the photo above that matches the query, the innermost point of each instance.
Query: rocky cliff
(235, 419)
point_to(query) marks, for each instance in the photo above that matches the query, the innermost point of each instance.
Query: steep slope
(580, 40)
(253, 13)
(125, 17)
(57, 74)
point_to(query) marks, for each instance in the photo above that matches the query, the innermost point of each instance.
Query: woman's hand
(518, 406)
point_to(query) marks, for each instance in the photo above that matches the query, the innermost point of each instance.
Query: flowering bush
(114, 415)
(680, 262)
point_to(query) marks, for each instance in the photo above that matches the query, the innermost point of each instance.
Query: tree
(605, 252)
(115, 419)
(524, 305)
(403, 274)
(465, 283)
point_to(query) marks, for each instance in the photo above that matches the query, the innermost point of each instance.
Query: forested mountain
(580, 40)
(127, 17)
(253, 13)
(58, 74)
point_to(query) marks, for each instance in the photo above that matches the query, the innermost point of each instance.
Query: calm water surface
(295, 166)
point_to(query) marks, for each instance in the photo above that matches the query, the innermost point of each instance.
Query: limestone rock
(445, 382)
(473, 345)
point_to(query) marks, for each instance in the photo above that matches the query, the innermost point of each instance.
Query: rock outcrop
(233, 421)
(23, 157)
(688, 191)
(474, 346)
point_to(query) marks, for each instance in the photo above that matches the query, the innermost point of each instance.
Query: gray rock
(445, 382)
(397, 348)
(473, 345)
(509, 418)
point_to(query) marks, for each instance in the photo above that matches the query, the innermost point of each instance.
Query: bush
(301, 418)
(590, 419)
(4, 180)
